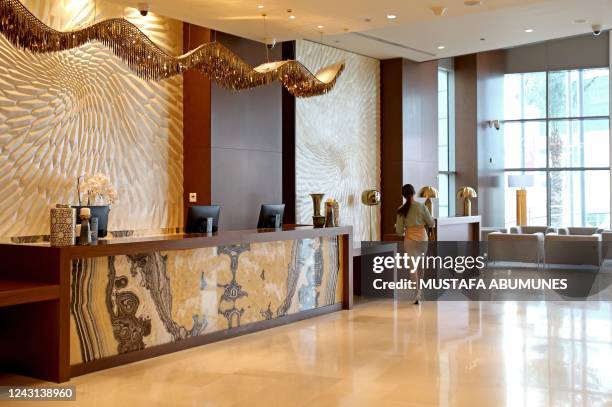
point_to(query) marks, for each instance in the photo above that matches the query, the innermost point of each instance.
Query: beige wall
(65, 114)
(338, 138)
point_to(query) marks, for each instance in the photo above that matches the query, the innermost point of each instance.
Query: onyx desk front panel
(128, 299)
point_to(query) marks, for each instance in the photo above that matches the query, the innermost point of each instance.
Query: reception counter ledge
(72, 310)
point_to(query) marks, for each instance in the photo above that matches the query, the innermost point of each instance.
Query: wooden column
(409, 131)
(391, 141)
(196, 124)
(288, 102)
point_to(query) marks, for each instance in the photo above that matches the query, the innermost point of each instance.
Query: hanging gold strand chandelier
(150, 62)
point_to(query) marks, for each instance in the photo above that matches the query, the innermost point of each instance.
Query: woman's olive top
(418, 215)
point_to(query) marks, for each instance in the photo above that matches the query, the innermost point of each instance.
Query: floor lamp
(521, 182)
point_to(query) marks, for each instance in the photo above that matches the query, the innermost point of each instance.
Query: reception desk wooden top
(66, 311)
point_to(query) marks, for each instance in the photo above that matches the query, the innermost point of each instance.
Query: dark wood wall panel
(288, 102)
(246, 141)
(490, 94)
(466, 125)
(420, 141)
(196, 123)
(409, 131)
(391, 118)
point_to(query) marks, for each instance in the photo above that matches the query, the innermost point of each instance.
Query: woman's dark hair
(407, 193)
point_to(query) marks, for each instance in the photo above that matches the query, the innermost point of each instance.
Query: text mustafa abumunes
(457, 263)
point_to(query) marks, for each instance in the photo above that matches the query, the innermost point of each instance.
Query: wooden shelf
(13, 292)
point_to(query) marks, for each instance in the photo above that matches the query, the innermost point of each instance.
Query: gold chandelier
(150, 62)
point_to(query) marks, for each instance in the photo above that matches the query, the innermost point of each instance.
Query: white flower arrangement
(97, 189)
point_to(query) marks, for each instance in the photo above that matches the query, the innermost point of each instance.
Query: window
(557, 129)
(446, 148)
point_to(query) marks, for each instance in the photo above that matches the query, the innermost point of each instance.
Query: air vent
(395, 44)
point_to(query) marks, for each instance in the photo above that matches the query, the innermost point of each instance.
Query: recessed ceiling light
(482, 39)
(472, 3)
(292, 17)
(391, 16)
(441, 47)
(528, 30)
(580, 21)
(320, 26)
(367, 19)
(260, 6)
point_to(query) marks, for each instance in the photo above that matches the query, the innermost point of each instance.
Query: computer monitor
(197, 216)
(267, 216)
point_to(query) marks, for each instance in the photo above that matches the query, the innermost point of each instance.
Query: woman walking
(412, 219)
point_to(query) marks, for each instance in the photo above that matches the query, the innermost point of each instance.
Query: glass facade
(557, 129)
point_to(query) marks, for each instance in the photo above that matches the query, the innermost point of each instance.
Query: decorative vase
(97, 211)
(329, 216)
(331, 213)
(317, 220)
(85, 235)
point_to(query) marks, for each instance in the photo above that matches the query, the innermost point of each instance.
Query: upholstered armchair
(580, 250)
(516, 248)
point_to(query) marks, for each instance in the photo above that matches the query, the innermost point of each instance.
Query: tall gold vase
(317, 219)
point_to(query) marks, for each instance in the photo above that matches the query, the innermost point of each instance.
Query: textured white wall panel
(83, 111)
(338, 138)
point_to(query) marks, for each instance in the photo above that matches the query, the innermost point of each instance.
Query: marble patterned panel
(121, 304)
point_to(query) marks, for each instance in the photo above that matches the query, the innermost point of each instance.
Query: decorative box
(63, 220)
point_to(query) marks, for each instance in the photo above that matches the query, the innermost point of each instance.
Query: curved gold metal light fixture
(150, 62)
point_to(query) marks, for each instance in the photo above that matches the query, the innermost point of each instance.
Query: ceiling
(416, 33)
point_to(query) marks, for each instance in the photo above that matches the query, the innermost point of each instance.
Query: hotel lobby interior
(195, 196)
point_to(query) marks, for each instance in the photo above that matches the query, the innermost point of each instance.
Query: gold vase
(316, 203)
(317, 219)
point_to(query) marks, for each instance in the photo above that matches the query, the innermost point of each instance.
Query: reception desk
(72, 310)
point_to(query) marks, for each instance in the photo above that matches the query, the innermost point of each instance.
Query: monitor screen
(197, 216)
(267, 216)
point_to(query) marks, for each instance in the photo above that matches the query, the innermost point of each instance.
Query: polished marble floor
(385, 354)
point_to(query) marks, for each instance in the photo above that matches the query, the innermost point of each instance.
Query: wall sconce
(494, 123)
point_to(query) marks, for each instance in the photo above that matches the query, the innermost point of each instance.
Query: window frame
(547, 119)
(450, 171)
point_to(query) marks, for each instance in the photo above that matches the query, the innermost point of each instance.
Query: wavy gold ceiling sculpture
(151, 62)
